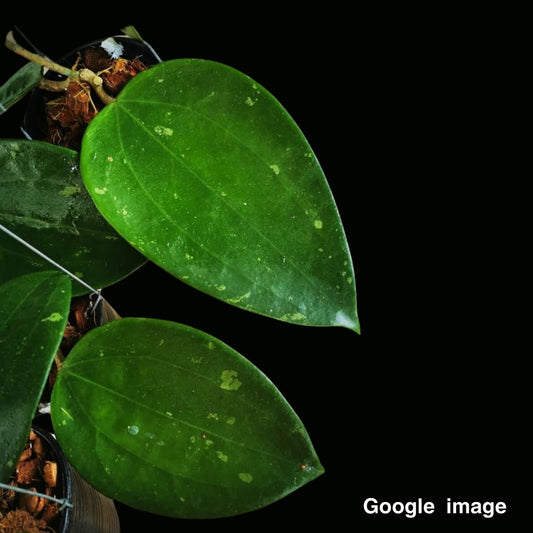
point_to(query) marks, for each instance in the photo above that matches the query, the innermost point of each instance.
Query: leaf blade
(33, 315)
(195, 421)
(238, 204)
(18, 85)
(44, 202)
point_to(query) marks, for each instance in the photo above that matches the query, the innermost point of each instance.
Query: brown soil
(67, 116)
(36, 471)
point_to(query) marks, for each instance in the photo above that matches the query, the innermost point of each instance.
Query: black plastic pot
(91, 511)
(34, 123)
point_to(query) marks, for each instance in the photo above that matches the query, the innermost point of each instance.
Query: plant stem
(83, 75)
(97, 84)
(36, 58)
(52, 85)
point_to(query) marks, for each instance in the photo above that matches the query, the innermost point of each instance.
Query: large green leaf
(203, 171)
(18, 85)
(170, 420)
(43, 201)
(33, 313)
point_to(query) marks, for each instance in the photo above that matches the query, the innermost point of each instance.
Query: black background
(426, 401)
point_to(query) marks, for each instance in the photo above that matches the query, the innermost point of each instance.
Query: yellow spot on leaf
(164, 132)
(239, 298)
(70, 190)
(293, 316)
(229, 380)
(223, 457)
(54, 317)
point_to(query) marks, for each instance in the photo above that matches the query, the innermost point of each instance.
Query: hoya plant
(196, 167)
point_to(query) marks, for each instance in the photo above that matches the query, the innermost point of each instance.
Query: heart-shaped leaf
(202, 170)
(21, 83)
(170, 420)
(33, 313)
(43, 201)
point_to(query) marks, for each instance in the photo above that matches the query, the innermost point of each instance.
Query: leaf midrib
(311, 281)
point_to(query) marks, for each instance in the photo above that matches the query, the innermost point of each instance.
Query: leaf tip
(349, 322)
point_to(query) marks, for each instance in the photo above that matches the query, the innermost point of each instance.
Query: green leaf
(21, 83)
(170, 420)
(33, 314)
(202, 170)
(43, 201)
(132, 32)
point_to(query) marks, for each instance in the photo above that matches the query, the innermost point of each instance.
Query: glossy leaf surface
(33, 313)
(170, 420)
(202, 170)
(43, 201)
(18, 85)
